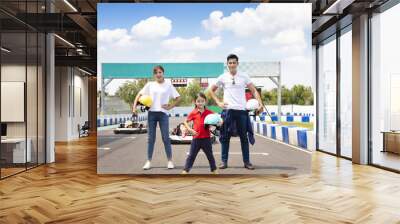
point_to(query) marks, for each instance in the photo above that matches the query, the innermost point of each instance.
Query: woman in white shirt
(161, 91)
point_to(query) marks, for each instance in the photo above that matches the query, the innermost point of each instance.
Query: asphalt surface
(127, 153)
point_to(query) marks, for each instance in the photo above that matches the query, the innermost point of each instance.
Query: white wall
(71, 102)
(61, 103)
(14, 73)
(80, 109)
(33, 125)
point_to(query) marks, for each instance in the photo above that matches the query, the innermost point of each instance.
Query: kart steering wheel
(134, 117)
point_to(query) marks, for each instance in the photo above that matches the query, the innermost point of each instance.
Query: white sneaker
(170, 165)
(147, 165)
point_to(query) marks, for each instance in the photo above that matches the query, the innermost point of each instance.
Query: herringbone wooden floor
(70, 191)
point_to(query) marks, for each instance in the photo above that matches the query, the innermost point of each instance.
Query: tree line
(298, 94)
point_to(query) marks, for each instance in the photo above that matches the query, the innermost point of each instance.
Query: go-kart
(131, 126)
(180, 135)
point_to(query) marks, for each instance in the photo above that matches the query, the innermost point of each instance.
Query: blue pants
(197, 144)
(240, 117)
(163, 119)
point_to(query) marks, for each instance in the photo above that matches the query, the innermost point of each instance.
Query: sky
(207, 32)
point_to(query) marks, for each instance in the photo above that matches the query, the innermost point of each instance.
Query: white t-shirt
(234, 94)
(160, 94)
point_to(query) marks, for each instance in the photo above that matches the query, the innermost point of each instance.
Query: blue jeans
(240, 117)
(163, 119)
(197, 144)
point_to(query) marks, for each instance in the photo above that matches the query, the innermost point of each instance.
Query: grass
(215, 109)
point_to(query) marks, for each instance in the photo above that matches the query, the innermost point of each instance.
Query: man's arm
(214, 96)
(255, 93)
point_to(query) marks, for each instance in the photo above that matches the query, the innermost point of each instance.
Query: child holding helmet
(201, 118)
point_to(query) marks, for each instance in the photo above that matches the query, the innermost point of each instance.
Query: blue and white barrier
(301, 137)
(304, 118)
(286, 118)
(106, 120)
(279, 135)
(178, 115)
(292, 114)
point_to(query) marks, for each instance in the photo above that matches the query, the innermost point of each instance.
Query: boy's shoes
(214, 172)
(249, 166)
(223, 166)
(184, 172)
(147, 165)
(170, 165)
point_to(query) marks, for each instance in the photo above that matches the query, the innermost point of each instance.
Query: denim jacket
(229, 128)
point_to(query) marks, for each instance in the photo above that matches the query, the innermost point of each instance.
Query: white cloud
(192, 44)
(289, 42)
(179, 57)
(264, 19)
(280, 27)
(290, 37)
(238, 50)
(115, 37)
(214, 22)
(152, 28)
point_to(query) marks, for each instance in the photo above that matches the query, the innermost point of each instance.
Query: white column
(62, 103)
(50, 98)
(360, 90)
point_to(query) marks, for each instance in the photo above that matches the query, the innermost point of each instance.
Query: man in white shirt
(234, 85)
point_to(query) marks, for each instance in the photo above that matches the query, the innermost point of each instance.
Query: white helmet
(252, 104)
(212, 119)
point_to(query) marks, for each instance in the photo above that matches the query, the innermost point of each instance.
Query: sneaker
(170, 165)
(147, 165)
(249, 166)
(223, 166)
(184, 172)
(214, 172)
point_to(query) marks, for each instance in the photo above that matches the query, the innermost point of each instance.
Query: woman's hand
(134, 111)
(167, 106)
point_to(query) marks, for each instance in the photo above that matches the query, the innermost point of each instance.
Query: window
(385, 89)
(346, 93)
(23, 88)
(327, 95)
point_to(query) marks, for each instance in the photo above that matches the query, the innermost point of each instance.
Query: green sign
(172, 70)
